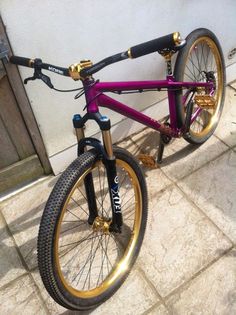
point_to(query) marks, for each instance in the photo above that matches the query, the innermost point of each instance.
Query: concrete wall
(64, 32)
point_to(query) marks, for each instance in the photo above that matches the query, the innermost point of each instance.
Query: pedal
(148, 160)
(205, 101)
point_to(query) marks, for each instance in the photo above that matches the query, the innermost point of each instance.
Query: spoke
(73, 214)
(118, 245)
(194, 66)
(189, 77)
(190, 72)
(205, 59)
(72, 258)
(196, 53)
(82, 193)
(78, 225)
(105, 251)
(103, 209)
(121, 197)
(82, 269)
(63, 253)
(79, 204)
(127, 218)
(201, 59)
(91, 262)
(122, 181)
(127, 202)
(207, 56)
(104, 255)
(79, 242)
(212, 60)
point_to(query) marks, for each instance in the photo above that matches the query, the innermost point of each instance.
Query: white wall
(64, 32)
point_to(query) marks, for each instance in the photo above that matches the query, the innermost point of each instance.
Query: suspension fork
(113, 182)
(109, 160)
(88, 180)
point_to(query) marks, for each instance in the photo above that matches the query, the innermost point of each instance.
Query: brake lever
(29, 79)
(46, 80)
(39, 75)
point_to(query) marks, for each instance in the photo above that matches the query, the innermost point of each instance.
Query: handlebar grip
(22, 61)
(169, 41)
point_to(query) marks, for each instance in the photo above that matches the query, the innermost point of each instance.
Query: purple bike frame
(95, 99)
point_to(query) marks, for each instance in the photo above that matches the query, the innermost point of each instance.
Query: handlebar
(80, 71)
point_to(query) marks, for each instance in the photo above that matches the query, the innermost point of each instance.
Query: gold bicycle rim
(122, 267)
(219, 92)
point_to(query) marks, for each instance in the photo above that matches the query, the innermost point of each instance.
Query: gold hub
(101, 224)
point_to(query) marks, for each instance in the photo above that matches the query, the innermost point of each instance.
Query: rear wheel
(201, 60)
(82, 263)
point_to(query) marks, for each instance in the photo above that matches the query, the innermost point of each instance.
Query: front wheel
(82, 263)
(201, 60)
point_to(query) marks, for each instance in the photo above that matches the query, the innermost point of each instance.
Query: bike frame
(95, 98)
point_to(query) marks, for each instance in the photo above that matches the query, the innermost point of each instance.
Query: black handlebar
(170, 42)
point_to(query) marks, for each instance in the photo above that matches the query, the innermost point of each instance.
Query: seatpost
(167, 57)
(167, 54)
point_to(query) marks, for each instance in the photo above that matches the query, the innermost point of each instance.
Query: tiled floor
(187, 264)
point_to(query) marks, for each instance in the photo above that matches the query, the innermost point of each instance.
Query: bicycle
(94, 221)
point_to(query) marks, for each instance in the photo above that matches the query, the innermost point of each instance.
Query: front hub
(102, 225)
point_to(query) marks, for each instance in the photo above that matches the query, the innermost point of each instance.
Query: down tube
(108, 102)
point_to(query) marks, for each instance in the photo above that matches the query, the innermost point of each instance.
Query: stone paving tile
(21, 297)
(213, 189)
(156, 181)
(23, 213)
(10, 264)
(212, 292)
(158, 310)
(53, 307)
(134, 297)
(182, 158)
(226, 129)
(179, 241)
